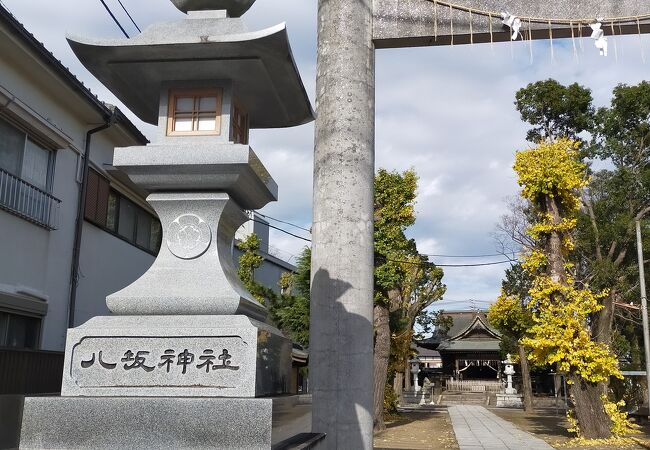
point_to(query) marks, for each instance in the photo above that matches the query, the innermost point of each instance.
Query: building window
(26, 169)
(18, 331)
(194, 112)
(239, 126)
(21, 156)
(118, 215)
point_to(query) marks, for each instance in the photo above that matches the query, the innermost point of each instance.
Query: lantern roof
(235, 8)
(205, 46)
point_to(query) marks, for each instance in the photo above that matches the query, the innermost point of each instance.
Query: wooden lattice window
(97, 194)
(239, 126)
(194, 112)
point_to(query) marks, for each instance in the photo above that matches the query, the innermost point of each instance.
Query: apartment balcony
(29, 202)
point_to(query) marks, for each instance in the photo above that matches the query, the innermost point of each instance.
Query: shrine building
(469, 349)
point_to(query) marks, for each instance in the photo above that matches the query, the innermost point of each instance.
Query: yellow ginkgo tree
(551, 176)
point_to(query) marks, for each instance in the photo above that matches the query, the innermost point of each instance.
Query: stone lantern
(188, 351)
(509, 371)
(510, 398)
(415, 370)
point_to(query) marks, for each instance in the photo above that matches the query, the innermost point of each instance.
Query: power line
(391, 260)
(114, 18)
(466, 256)
(451, 265)
(127, 13)
(280, 229)
(423, 254)
(285, 222)
(463, 301)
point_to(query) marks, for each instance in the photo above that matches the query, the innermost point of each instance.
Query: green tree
(289, 310)
(554, 110)
(613, 201)
(434, 322)
(249, 261)
(405, 282)
(421, 287)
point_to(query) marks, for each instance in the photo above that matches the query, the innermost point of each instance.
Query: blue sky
(447, 112)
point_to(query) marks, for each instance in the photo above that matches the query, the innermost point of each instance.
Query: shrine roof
(468, 326)
(202, 47)
(463, 321)
(426, 352)
(469, 345)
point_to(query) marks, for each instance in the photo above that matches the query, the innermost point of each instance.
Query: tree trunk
(526, 384)
(408, 384)
(398, 384)
(602, 327)
(382, 353)
(593, 421)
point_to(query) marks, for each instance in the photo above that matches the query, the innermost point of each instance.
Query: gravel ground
(430, 430)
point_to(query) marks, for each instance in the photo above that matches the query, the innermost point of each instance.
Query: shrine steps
(449, 398)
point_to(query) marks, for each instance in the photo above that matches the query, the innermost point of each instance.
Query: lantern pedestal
(510, 401)
(161, 422)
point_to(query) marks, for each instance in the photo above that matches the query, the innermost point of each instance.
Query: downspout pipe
(81, 206)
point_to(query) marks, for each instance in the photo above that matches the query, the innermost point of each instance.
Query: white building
(45, 115)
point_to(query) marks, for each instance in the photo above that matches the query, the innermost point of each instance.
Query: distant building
(429, 359)
(469, 350)
(45, 114)
(269, 273)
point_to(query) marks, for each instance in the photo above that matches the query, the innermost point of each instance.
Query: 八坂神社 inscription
(159, 361)
(169, 359)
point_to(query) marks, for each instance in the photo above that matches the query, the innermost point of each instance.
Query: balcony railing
(29, 202)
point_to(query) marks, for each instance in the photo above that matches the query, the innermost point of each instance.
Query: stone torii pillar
(342, 250)
(341, 342)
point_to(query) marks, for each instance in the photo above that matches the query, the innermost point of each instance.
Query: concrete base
(161, 423)
(510, 401)
(415, 397)
(11, 412)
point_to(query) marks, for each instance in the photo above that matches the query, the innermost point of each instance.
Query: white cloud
(447, 112)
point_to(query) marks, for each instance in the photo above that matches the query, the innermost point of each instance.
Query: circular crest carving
(188, 236)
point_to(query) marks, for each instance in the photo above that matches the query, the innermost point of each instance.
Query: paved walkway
(477, 428)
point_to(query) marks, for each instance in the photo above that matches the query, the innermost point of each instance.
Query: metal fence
(30, 372)
(28, 201)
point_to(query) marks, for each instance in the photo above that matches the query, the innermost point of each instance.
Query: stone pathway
(477, 428)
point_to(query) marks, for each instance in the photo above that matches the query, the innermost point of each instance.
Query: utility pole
(644, 307)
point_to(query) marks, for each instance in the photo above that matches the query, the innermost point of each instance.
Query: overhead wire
(391, 260)
(282, 230)
(451, 265)
(129, 15)
(433, 255)
(284, 222)
(114, 18)
(467, 256)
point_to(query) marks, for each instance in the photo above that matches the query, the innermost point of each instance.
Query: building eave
(17, 29)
